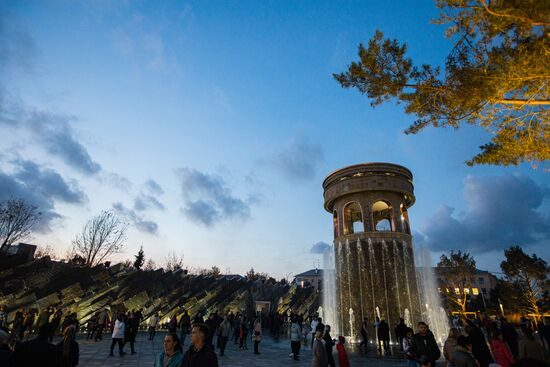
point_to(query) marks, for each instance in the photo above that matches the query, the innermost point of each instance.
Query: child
(407, 351)
(343, 360)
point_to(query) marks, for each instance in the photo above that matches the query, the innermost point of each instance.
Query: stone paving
(273, 353)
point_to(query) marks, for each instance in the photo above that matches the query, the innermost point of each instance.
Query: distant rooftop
(310, 273)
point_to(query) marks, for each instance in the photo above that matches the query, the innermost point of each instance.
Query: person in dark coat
(130, 331)
(212, 326)
(480, 350)
(200, 353)
(462, 356)
(383, 333)
(329, 344)
(424, 347)
(510, 336)
(36, 352)
(185, 325)
(401, 332)
(67, 349)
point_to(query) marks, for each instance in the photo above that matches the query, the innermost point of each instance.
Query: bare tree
(150, 265)
(173, 261)
(43, 251)
(17, 218)
(102, 236)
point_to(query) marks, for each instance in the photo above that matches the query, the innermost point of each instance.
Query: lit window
(457, 290)
(439, 289)
(447, 290)
(466, 290)
(475, 291)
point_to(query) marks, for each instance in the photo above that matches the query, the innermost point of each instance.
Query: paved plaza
(273, 353)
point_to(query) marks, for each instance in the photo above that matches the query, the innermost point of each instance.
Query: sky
(209, 127)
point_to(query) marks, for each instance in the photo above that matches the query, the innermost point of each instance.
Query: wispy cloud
(208, 199)
(141, 224)
(299, 159)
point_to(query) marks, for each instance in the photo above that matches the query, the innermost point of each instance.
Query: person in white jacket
(118, 335)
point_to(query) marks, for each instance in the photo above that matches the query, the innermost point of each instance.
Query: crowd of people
(479, 342)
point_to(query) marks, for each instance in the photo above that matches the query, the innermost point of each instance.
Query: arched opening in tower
(382, 216)
(353, 218)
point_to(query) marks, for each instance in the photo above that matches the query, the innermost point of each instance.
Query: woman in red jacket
(343, 360)
(500, 349)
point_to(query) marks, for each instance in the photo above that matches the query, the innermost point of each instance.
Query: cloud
(500, 211)
(299, 160)
(153, 187)
(137, 220)
(41, 187)
(147, 198)
(208, 199)
(56, 134)
(53, 131)
(320, 247)
(49, 182)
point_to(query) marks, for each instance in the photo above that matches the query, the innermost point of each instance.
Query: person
(67, 349)
(198, 319)
(509, 336)
(462, 356)
(37, 352)
(171, 355)
(425, 347)
(200, 353)
(306, 330)
(56, 321)
(28, 322)
(130, 331)
(118, 335)
(383, 334)
(184, 324)
(100, 324)
(400, 331)
(529, 347)
(92, 326)
(44, 317)
(343, 360)
(257, 335)
(313, 325)
(17, 325)
(211, 323)
(501, 352)
(236, 328)
(173, 323)
(5, 350)
(224, 333)
(3, 318)
(480, 350)
(153, 324)
(544, 333)
(295, 336)
(450, 345)
(365, 333)
(407, 348)
(243, 334)
(318, 351)
(329, 343)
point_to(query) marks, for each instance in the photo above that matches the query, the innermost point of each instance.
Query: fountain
(328, 308)
(433, 313)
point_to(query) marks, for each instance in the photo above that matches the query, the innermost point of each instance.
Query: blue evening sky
(231, 108)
